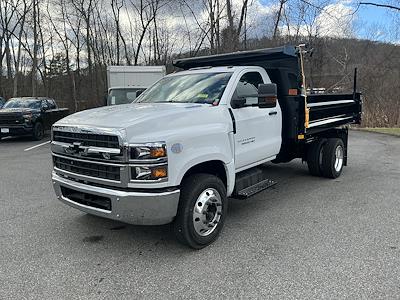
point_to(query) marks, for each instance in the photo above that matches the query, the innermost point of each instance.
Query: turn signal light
(159, 172)
(149, 173)
(158, 152)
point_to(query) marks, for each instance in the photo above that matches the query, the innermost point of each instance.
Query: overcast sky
(368, 22)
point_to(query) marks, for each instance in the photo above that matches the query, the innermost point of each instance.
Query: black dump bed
(282, 64)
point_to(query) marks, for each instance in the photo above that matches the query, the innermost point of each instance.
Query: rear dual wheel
(314, 157)
(325, 158)
(333, 158)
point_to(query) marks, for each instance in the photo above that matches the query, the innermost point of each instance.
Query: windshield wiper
(203, 102)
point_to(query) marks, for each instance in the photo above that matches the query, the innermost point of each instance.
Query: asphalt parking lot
(305, 238)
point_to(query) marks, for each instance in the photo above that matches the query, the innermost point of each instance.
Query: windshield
(189, 88)
(122, 96)
(23, 103)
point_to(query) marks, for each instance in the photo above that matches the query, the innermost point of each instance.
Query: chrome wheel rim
(338, 158)
(207, 212)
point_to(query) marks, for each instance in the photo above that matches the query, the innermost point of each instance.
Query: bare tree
(233, 32)
(147, 11)
(278, 17)
(85, 9)
(9, 23)
(116, 6)
(17, 56)
(35, 8)
(397, 8)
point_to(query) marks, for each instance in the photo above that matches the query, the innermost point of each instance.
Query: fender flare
(228, 166)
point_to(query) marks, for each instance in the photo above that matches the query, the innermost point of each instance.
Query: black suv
(29, 116)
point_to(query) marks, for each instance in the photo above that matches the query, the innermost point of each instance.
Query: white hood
(145, 121)
(123, 116)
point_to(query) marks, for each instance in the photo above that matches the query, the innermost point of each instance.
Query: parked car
(2, 102)
(29, 116)
(196, 138)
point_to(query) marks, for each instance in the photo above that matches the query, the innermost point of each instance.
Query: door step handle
(271, 113)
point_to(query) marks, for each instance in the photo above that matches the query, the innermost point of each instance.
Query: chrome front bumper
(140, 208)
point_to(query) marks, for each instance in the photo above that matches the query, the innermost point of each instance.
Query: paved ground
(306, 238)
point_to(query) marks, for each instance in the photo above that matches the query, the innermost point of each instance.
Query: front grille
(87, 199)
(87, 168)
(8, 120)
(87, 139)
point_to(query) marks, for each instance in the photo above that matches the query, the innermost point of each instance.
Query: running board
(254, 189)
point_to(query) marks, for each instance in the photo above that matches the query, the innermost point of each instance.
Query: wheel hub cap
(207, 212)
(339, 158)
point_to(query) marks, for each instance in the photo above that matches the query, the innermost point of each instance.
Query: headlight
(27, 117)
(149, 172)
(150, 151)
(150, 161)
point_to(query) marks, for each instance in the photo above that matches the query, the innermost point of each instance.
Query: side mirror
(237, 102)
(267, 95)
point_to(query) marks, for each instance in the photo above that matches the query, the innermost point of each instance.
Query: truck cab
(196, 138)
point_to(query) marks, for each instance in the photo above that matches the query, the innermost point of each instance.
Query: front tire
(333, 158)
(202, 210)
(38, 131)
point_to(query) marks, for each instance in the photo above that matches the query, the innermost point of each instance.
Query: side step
(251, 182)
(254, 189)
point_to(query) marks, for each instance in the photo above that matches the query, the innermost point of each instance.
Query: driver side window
(51, 104)
(45, 105)
(248, 85)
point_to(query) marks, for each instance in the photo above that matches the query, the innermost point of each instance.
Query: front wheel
(38, 131)
(202, 210)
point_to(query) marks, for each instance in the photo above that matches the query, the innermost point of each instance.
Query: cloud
(334, 20)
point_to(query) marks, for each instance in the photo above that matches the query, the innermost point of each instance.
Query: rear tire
(201, 212)
(38, 131)
(314, 161)
(333, 158)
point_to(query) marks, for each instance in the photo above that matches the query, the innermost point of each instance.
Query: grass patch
(392, 131)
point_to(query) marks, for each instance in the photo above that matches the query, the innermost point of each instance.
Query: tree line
(61, 48)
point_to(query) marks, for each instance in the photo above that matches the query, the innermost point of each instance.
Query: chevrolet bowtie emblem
(76, 148)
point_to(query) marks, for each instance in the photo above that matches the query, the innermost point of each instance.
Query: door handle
(271, 113)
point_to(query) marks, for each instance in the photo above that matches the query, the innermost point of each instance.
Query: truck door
(258, 130)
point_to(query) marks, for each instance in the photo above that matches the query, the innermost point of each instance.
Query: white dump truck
(125, 83)
(197, 138)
